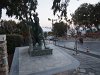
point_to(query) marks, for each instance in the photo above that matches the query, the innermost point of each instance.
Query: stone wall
(3, 58)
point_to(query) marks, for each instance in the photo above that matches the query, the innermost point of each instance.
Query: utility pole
(52, 20)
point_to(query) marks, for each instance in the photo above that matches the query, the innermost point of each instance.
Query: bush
(13, 40)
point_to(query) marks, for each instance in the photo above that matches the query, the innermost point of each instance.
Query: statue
(37, 33)
(37, 36)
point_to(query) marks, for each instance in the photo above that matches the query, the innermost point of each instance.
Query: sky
(45, 12)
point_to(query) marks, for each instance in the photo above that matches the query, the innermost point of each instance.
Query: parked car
(52, 38)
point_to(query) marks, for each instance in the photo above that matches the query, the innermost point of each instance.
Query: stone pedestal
(39, 51)
(59, 61)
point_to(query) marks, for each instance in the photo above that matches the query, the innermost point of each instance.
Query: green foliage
(60, 6)
(23, 28)
(56, 6)
(21, 9)
(81, 15)
(87, 14)
(11, 27)
(8, 27)
(13, 41)
(96, 13)
(59, 29)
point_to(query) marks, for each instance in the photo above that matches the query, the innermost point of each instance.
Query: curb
(87, 53)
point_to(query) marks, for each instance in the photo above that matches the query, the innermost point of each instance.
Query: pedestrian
(81, 40)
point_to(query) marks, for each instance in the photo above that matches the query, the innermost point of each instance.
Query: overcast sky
(45, 12)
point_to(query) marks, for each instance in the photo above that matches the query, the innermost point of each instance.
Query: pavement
(89, 64)
(59, 61)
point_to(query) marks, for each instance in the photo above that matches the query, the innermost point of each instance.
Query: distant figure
(81, 40)
(94, 29)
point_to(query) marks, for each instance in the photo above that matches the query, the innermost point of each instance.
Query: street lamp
(52, 25)
(52, 21)
(76, 39)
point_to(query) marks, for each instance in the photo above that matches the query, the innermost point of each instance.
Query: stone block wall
(3, 59)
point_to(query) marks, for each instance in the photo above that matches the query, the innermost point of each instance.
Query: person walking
(81, 40)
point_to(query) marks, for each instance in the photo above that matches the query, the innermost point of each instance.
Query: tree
(56, 6)
(8, 27)
(59, 29)
(87, 14)
(60, 6)
(21, 9)
(97, 14)
(25, 10)
(83, 14)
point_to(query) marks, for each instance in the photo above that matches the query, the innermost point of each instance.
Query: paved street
(88, 65)
(93, 46)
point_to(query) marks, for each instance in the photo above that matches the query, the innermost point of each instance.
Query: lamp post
(76, 37)
(52, 25)
(52, 20)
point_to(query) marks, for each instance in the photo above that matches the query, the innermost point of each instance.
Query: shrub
(13, 40)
